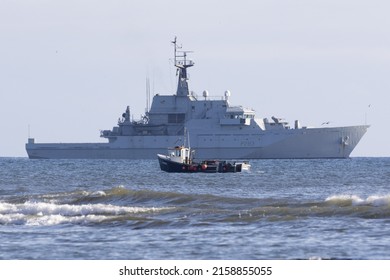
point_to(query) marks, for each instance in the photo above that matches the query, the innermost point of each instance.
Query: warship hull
(332, 142)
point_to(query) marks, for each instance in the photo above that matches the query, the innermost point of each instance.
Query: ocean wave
(48, 220)
(120, 195)
(355, 200)
(123, 204)
(42, 213)
(83, 197)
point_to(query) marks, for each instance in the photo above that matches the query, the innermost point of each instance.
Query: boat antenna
(188, 137)
(147, 95)
(174, 42)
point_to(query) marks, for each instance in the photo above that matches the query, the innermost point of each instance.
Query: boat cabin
(180, 154)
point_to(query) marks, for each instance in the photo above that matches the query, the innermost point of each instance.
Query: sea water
(128, 209)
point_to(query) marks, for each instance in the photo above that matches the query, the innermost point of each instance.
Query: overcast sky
(69, 68)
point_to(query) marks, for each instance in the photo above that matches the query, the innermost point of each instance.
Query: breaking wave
(75, 207)
(41, 213)
(355, 200)
(157, 208)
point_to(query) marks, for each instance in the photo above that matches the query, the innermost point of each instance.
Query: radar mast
(181, 63)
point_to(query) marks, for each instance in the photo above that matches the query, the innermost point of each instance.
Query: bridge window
(176, 118)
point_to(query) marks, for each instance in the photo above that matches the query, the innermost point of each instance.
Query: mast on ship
(181, 63)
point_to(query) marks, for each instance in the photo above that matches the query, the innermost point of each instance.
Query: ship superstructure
(216, 130)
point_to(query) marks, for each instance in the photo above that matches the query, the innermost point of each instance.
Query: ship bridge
(239, 112)
(237, 115)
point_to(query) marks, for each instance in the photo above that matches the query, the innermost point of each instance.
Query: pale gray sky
(69, 68)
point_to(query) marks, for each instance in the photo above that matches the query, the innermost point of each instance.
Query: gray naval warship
(216, 129)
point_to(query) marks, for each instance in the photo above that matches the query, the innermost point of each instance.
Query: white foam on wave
(59, 198)
(39, 220)
(355, 200)
(69, 197)
(43, 213)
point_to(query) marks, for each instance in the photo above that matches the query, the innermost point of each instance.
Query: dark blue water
(126, 209)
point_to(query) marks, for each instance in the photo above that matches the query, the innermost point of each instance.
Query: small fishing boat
(180, 159)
